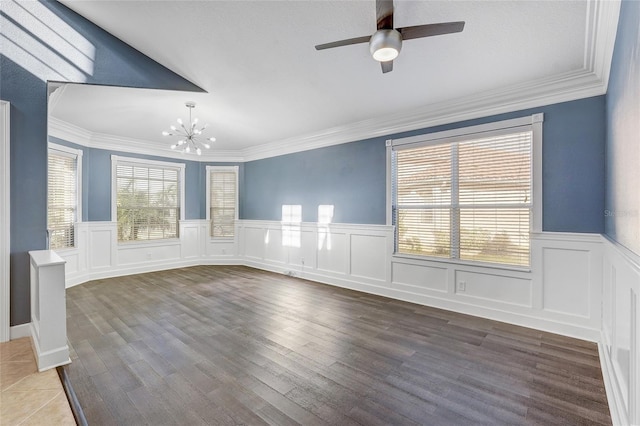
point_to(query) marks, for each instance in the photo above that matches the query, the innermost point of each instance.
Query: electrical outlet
(462, 286)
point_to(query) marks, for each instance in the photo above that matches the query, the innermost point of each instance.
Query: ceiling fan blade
(430, 30)
(386, 66)
(384, 14)
(347, 42)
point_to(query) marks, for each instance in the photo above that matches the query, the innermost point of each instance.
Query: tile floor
(28, 397)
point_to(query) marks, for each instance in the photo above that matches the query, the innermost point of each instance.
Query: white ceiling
(269, 89)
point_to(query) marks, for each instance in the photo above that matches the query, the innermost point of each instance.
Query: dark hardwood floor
(234, 345)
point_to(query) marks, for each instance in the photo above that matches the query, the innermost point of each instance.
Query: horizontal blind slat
(491, 208)
(223, 201)
(62, 199)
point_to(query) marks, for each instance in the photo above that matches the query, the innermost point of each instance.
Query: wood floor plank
(224, 345)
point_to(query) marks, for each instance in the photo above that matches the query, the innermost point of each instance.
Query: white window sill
(434, 259)
(147, 243)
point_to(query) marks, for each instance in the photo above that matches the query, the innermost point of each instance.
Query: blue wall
(352, 176)
(96, 181)
(114, 63)
(622, 212)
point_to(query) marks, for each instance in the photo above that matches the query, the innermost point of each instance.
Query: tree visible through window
(62, 197)
(467, 199)
(148, 202)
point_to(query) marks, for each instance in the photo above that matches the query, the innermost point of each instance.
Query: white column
(48, 310)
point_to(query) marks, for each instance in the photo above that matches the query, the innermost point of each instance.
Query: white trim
(462, 132)
(77, 154)
(614, 397)
(115, 160)
(72, 133)
(590, 80)
(536, 196)
(533, 123)
(5, 227)
(208, 185)
(20, 331)
(72, 152)
(210, 169)
(389, 181)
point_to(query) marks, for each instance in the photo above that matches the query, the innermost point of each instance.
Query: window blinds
(222, 202)
(467, 199)
(62, 199)
(148, 202)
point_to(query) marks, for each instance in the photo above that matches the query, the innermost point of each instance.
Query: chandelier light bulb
(189, 135)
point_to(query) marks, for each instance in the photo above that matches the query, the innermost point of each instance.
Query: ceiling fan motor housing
(385, 45)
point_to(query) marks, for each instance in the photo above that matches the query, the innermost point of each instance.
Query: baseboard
(47, 360)
(614, 394)
(20, 331)
(75, 279)
(523, 320)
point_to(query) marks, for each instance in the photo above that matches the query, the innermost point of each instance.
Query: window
(291, 221)
(63, 189)
(148, 198)
(222, 200)
(466, 196)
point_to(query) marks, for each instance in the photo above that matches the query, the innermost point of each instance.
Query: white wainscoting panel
(580, 285)
(620, 347)
(369, 256)
(254, 240)
(493, 287)
(332, 255)
(190, 239)
(412, 276)
(565, 299)
(570, 271)
(148, 252)
(99, 255)
(101, 251)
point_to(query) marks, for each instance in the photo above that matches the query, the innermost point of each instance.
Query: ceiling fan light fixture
(385, 45)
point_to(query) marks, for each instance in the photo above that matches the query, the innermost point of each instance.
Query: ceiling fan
(386, 42)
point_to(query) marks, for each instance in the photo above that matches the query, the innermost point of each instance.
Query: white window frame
(534, 123)
(77, 154)
(116, 160)
(211, 169)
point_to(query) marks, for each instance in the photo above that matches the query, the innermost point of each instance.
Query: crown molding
(561, 88)
(75, 134)
(590, 80)
(68, 132)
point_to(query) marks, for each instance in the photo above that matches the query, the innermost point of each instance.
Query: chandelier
(189, 134)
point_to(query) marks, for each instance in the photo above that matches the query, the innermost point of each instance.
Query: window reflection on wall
(325, 217)
(291, 221)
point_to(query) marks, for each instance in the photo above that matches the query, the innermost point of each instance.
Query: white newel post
(48, 309)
